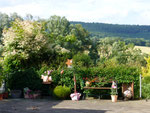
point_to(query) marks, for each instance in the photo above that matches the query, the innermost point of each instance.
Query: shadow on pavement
(38, 106)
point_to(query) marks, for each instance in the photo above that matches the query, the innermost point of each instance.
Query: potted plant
(46, 76)
(114, 92)
(5, 95)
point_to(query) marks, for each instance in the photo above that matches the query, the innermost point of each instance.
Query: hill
(114, 30)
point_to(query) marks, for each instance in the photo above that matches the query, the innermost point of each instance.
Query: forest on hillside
(137, 34)
(116, 30)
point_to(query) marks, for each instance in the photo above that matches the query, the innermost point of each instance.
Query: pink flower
(114, 86)
(48, 72)
(62, 71)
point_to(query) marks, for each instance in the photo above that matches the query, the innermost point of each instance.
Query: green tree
(146, 69)
(4, 22)
(26, 40)
(66, 36)
(124, 54)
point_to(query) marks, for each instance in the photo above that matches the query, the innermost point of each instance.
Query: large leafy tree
(4, 22)
(24, 41)
(66, 36)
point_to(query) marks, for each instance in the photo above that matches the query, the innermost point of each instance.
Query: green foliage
(82, 60)
(146, 90)
(66, 37)
(146, 87)
(146, 80)
(24, 78)
(25, 38)
(1, 81)
(66, 78)
(124, 54)
(114, 91)
(12, 63)
(146, 69)
(62, 92)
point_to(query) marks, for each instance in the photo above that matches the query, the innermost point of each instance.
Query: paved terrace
(68, 106)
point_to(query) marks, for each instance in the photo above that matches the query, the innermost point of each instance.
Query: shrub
(62, 92)
(24, 78)
(146, 87)
(146, 80)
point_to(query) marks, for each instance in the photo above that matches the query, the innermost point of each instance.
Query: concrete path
(68, 106)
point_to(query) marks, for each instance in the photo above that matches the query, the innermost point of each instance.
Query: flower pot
(26, 96)
(5, 95)
(1, 96)
(75, 96)
(114, 98)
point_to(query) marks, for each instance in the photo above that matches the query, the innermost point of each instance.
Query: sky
(133, 12)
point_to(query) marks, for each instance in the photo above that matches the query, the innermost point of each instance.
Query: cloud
(108, 11)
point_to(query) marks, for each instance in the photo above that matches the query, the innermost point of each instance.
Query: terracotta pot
(1, 96)
(114, 98)
(5, 95)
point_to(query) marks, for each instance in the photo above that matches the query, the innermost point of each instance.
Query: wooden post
(132, 86)
(75, 84)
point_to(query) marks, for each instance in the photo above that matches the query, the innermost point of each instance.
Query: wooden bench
(97, 88)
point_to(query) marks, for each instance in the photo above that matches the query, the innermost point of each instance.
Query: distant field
(144, 49)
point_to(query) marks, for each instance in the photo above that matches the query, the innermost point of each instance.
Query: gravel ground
(68, 106)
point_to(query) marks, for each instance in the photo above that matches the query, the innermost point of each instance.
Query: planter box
(32, 96)
(15, 93)
(125, 87)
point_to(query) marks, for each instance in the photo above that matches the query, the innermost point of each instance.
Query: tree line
(137, 34)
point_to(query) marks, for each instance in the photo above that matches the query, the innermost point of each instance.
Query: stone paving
(68, 106)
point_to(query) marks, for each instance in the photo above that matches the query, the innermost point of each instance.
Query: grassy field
(143, 49)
